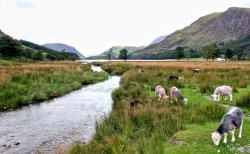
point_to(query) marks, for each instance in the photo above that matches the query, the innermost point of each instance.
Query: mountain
(1, 33)
(63, 47)
(115, 51)
(220, 28)
(158, 39)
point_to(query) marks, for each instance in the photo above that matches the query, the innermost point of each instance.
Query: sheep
(196, 70)
(159, 90)
(140, 70)
(176, 94)
(232, 120)
(172, 77)
(223, 90)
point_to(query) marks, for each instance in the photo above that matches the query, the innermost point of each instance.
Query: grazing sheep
(223, 90)
(159, 90)
(196, 70)
(176, 94)
(140, 70)
(232, 120)
(172, 77)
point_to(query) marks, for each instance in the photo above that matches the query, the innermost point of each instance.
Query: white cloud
(93, 26)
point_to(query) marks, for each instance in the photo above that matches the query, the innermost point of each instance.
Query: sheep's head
(214, 97)
(216, 137)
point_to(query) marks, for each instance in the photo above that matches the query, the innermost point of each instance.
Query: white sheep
(176, 94)
(159, 90)
(232, 120)
(223, 90)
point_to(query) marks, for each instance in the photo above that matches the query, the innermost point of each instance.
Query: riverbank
(152, 126)
(27, 83)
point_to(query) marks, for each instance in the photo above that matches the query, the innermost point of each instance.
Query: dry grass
(8, 70)
(192, 64)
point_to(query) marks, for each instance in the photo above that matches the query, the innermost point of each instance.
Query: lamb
(232, 120)
(172, 77)
(223, 90)
(140, 70)
(176, 94)
(159, 90)
(196, 70)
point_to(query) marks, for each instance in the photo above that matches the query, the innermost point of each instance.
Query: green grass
(26, 83)
(197, 139)
(151, 126)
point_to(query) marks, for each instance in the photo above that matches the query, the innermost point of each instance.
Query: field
(26, 83)
(154, 126)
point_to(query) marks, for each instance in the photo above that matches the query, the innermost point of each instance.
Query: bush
(244, 101)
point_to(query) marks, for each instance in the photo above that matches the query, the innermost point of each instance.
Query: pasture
(153, 126)
(27, 83)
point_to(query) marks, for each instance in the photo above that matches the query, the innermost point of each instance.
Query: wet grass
(26, 83)
(151, 126)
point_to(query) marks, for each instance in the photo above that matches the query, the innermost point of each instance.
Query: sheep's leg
(218, 97)
(226, 98)
(159, 97)
(233, 138)
(240, 133)
(231, 97)
(225, 138)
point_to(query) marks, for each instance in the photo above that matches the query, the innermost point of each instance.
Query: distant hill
(1, 33)
(158, 39)
(115, 51)
(63, 47)
(220, 28)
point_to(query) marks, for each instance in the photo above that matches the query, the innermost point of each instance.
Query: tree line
(211, 51)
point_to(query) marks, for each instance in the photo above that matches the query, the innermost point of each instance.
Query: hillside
(158, 39)
(225, 27)
(61, 47)
(115, 51)
(1, 33)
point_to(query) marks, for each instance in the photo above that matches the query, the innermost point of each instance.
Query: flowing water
(49, 125)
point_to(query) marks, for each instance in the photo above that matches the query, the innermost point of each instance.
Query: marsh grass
(34, 82)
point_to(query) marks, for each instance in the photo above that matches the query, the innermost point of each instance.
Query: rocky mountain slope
(220, 28)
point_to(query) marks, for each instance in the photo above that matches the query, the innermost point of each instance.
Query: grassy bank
(155, 126)
(26, 83)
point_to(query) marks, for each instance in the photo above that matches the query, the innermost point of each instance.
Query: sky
(93, 26)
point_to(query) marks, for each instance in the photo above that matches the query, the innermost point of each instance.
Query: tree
(187, 54)
(123, 54)
(215, 51)
(178, 54)
(37, 56)
(109, 53)
(210, 51)
(229, 53)
(10, 47)
(239, 53)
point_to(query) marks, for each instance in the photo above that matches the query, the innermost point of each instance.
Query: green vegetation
(210, 51)
(26, 83)
(123, 54)
(11, 49)
(154, 126)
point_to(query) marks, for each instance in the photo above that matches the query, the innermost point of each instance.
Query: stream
(57, 123)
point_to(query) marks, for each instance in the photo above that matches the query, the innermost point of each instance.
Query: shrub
(244, 101)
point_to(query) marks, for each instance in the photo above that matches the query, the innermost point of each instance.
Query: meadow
(154, 126)
(27, 83)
